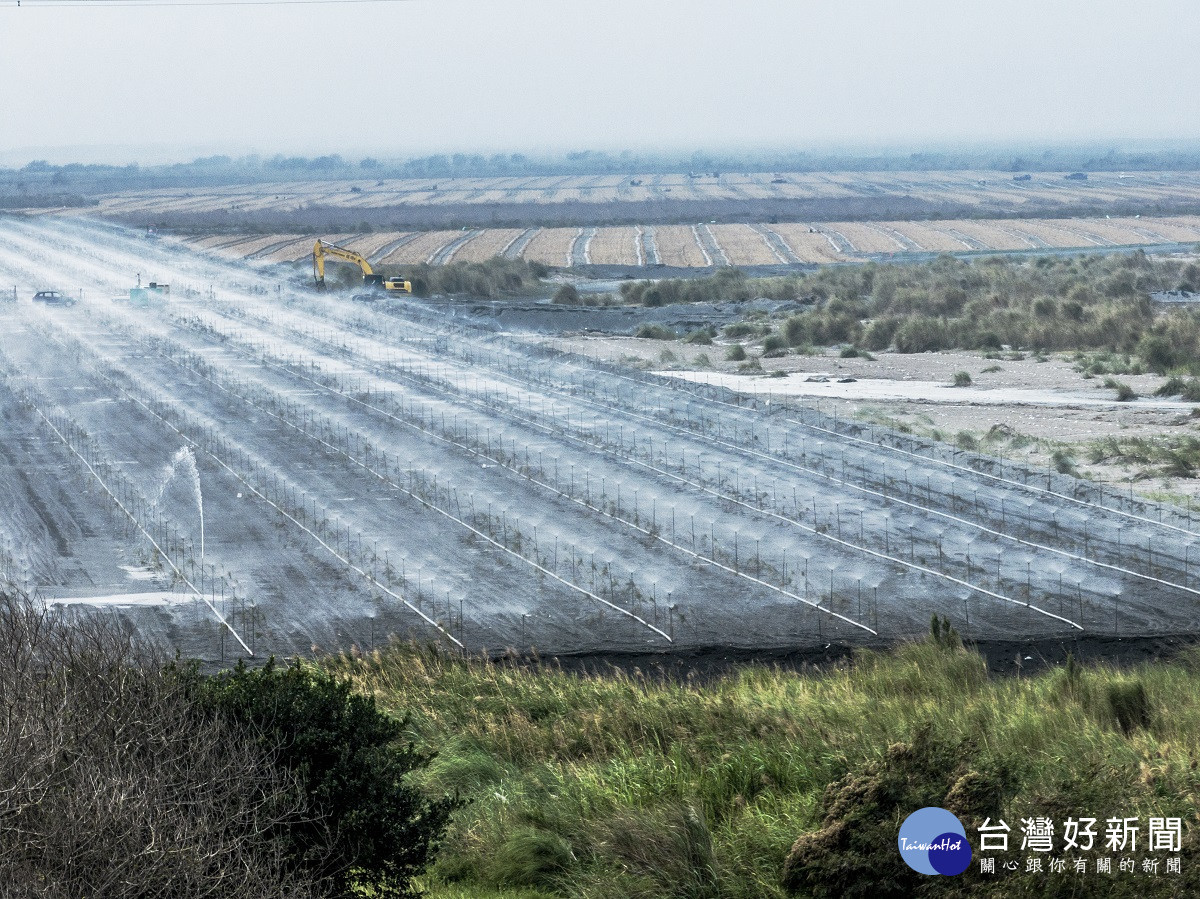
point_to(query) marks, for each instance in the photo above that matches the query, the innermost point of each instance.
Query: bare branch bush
(114, 784)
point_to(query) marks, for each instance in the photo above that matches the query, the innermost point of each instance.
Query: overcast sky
(146, 83)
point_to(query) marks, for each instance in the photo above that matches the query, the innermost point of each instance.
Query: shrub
(1125, 393)
(700, 336)
(794, 330)
(567, 294)
(366, 825)
(879, 333)
(740, 329)
(116, 784)
(962, 379)
(921, 335)
(655, 332)
(1063, 462)
(773, 343)
(484, 279)
(853, 854)
(1156, 353)
(736, 353)
(1188, 390)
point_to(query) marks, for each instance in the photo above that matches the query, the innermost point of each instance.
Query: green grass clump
(766, 783)
(1169, 457)
(1125, 393)
(751, 365)
(736, 353)
(1188, 389)
(853, 352)
(775, 345)
(655, 332)
(742, 329)
(962, 379)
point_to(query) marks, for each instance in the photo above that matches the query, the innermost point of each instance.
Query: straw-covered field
(684, 246)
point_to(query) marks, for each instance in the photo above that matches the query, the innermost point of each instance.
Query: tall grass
(620, 785)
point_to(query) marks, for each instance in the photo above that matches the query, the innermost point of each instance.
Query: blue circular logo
(933, 841)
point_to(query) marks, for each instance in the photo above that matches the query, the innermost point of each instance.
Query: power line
(60, 4)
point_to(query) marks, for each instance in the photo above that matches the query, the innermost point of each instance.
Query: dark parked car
(53, 298)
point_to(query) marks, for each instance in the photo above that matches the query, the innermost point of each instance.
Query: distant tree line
(39, 176)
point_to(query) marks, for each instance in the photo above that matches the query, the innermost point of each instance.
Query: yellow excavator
(321, 249)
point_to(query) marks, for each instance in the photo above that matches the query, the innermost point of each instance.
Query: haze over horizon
(158, 82)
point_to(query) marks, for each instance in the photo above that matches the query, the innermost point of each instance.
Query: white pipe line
(674, 385)
(946, 515)
(782, 460)
(428, 504)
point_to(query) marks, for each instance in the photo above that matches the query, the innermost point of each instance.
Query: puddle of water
(135, 573)
(124, 599)
(912, 391)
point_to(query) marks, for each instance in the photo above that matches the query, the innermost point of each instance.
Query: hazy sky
(399, 78)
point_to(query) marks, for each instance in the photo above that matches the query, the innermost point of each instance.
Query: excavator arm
(321, 249)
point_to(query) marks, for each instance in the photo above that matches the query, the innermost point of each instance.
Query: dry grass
(930, 237)
(994, 237)
(1183, 225)
(245, 250)
(677, 246)
(292, 252)
(370, 244)
(614, 246)
(551, 246)
(421, 248)
(743, 245)
(213, 241)
(865, 239)
(487, 244)
(808, 245)
(1047, 233)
